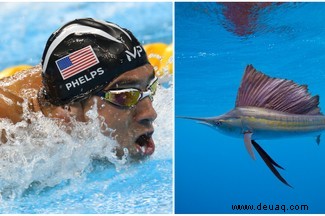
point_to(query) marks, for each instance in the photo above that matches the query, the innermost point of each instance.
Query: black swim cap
(85, 55)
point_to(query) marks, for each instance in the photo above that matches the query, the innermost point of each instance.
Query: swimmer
(89, 64)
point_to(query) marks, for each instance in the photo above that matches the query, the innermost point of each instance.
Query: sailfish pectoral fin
(248, 144)
(262, 152)
(270, 162)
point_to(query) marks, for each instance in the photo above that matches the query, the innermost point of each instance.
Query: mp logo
(137, 50)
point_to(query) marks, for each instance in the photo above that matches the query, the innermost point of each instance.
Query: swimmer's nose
(145, 113)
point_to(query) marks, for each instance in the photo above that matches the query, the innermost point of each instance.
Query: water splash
(164, 124)
(44, 154)
(41, 154)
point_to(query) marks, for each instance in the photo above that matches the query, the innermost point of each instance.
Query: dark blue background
(214, 171)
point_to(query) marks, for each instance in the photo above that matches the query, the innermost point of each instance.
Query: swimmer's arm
(10, 106)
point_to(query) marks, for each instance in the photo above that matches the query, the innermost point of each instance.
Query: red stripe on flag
(85, 65)
(82, 58)
(75, 56)
(89, 59)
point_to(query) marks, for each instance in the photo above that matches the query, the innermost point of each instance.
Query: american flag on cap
(76, 62)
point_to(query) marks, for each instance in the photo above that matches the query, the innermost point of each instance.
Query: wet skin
(128, 123)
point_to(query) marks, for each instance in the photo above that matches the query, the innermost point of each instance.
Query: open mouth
(145, 144)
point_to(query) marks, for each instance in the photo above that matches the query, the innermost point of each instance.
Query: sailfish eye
(218, 123)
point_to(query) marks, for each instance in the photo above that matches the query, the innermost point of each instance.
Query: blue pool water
(44, 172)
(213, 171)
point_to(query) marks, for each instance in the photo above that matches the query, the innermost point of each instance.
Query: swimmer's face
(132, 127)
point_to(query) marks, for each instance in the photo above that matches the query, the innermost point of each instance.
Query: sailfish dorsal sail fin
(260, 90)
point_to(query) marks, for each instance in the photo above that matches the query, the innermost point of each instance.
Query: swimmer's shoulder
(23, 81)
(15, 89)
(10, 106)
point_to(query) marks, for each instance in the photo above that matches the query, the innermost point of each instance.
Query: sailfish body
(266, 124)
(269, 108)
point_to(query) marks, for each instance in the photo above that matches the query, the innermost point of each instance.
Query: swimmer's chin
(130, 156)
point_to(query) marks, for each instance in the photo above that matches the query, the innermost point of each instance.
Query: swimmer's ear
(75, 110)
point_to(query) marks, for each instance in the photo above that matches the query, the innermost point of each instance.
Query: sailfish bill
(269, 108)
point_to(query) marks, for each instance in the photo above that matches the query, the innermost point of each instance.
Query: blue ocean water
(214, 42)
(64, 177)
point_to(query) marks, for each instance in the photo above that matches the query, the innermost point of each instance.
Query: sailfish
(269, 108)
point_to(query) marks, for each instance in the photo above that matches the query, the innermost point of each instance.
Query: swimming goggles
(129, 97)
